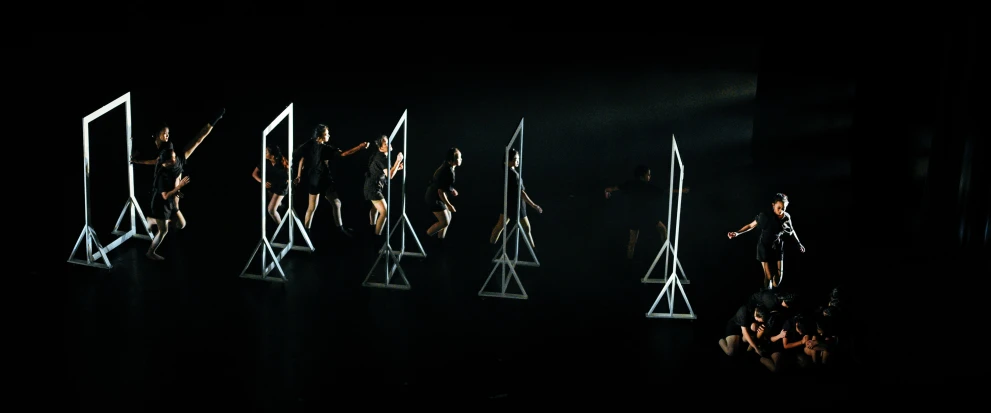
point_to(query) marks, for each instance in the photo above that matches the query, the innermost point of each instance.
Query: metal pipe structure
(88, 234)
(502, 260)
(264, 245)
(672, 280)
(388, 256)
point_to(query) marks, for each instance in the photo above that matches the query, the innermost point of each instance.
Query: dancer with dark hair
(744, 328)
(161, 137)
(315, 160)
(162, 208)
(440, 191)
(375, 181)
(517, 196)
(277, 177)
(643, 211)
(770, 245)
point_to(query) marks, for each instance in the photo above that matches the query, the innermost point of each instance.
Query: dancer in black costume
(770, 245)
(440, 191)
(517, 196)
(277, 177)
(162, 208)
(161, 137)
(315, 160)
(644, 211)
(375, 179)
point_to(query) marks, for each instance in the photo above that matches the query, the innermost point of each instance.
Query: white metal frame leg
(88, 234)
(673, 281)
(502, 260)
(387, 255)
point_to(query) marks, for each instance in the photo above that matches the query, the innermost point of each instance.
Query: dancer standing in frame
(277, 175)
(517, 196)
(315, 161)
(162, 208)
(770, 245)
(161, 138)
(440, 191)
(375, 181)
(643, 209)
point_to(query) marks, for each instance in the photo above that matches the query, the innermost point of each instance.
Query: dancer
(277, 177)
(375, 177)
(642, 210)
(167, 185)
(440, 191)
(770, 245)
(743, 328)
(161, 137)
(517, 196)
(316, 155)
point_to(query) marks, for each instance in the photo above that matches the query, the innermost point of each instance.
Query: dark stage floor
(189, 327)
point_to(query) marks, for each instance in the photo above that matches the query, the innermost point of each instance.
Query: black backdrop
(592, 111)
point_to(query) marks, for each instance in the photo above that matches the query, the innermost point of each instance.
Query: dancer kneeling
(167, 185)
(375, 181)
(517, 196)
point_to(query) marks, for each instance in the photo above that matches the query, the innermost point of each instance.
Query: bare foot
(153, 256)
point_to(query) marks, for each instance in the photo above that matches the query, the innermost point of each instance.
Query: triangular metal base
(294, 223)
(147, 236)
(683, 279)
(390, 258)
(672, 283)
(508, 274)
(93, 259)
(268, 253)
(499, 254)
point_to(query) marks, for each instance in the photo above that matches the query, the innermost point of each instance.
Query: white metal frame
(91, 239)
(673, 281)
(502, 260)
(389, 257)
(667, 249)
(264, 244)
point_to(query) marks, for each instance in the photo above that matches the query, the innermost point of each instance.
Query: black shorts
(322, 185)
(280, 191)
(642, 224)
(373, 190)
(437, 206)
(732, 329)
(767, 253)
(161, 209)
(511, 211)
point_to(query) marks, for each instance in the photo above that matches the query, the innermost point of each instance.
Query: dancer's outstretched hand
(454, 192)
(182, 182)
(217, 116)
(539, 209)
(801, 248)
(731, 235)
